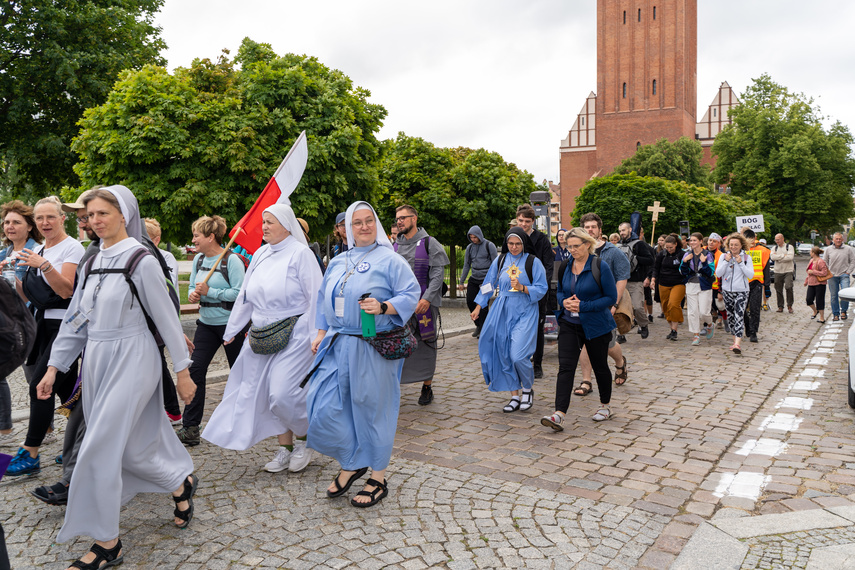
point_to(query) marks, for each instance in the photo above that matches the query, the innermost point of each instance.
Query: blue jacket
(596, 302)
(705, 270)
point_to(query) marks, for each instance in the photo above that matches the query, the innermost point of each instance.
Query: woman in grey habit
(129, 446)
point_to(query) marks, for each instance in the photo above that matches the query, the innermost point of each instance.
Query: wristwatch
(383, 308)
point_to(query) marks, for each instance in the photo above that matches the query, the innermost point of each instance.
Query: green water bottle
(369, 327)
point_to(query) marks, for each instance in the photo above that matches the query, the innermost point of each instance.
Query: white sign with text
(753, 222)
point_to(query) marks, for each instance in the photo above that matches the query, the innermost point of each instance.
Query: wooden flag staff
(225, 249)
(656, 211)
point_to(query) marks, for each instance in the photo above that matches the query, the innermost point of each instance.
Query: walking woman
(263, 397)
(47, 284)
(355, 394)
(733, 270)
(586, 320)
(670, 282)
(815, 288)
(216, 299)
(509, 336)
(561, 252)
(698, 266)
(129, 446)
(19, 232)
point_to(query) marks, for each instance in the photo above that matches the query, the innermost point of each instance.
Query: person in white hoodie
(734, 269)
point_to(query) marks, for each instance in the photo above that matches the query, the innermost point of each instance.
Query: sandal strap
(101, 555)
(378, 488)
(376, 483)
(183, 515)
(188, 490)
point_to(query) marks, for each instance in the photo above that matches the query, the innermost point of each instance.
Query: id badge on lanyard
(339, 307)
(78, 320)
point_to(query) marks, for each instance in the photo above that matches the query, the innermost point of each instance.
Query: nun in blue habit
(509, 335)
(355, 394)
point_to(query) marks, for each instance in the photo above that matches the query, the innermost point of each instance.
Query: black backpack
(127, 271)
(224, 271)
(17, 329)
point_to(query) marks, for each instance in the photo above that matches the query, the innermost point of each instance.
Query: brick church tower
(646, 89)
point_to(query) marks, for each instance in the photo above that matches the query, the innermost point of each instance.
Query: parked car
(848, 294)
(804, 248)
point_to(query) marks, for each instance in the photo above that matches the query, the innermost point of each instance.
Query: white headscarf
(381, 239)
(130, 210)
(285, 215)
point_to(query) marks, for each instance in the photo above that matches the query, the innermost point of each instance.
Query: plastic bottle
(369, 327)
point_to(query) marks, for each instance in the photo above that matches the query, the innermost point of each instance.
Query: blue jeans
(835, 284)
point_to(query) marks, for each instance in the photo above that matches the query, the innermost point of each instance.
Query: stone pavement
(709, 460)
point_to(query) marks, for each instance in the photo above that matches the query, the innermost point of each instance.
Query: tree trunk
(452, 278)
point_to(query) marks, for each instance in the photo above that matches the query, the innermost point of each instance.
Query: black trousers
(473, 287)
(753, 308)
(4, 556)
(816, 293)
(537, 359)
(208, 340)
(571, 339)
(41, 411)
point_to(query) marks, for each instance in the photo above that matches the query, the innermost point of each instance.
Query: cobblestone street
(709, 460)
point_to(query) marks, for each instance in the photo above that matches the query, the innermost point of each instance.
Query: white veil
(381, 239)
(285, 215)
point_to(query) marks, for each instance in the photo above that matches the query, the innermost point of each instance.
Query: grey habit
(421, 365)
(129, 446)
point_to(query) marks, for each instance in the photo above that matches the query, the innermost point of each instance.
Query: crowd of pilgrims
(317, 351)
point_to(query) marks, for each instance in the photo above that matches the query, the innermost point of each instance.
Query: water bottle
(9, 271)
(369, 327)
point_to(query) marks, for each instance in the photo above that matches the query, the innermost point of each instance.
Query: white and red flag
(278, 190)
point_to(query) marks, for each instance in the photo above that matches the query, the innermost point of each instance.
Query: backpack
(595, 270)
(224, 271)
(127, 271)
(628, 250)
(17, 330)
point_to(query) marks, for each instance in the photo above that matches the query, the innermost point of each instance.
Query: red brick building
(647, 59)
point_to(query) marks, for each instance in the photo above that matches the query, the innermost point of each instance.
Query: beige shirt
(783, 258)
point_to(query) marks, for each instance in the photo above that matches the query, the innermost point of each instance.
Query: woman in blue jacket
(586, 320)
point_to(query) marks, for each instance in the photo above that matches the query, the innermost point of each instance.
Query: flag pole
(225, 249)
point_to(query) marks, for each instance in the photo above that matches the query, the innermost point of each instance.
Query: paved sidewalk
(710, 460)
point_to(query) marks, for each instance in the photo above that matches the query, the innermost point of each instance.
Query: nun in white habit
(130, 446)
(263, 395)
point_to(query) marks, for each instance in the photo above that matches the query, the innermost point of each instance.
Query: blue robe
(509, 335)
(355, 394)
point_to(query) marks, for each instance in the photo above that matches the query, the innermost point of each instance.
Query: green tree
(453, 189)
(680, 160)
(614, 198)
(57, 58)
(205, 140)
(777, 153)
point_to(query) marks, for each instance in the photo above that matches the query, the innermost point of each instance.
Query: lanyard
(347, 264)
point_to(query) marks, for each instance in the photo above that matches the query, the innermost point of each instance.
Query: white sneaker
(280, 461)
(300, 457)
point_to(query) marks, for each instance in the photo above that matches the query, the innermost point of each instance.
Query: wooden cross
(656, 209)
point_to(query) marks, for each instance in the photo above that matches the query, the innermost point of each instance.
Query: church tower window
(638, 145)
(639, 14)
(654, 87)
(654, 12)
(624, 90)
(624, 16)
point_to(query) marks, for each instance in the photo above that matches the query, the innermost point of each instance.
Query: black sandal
(375, 498)
(622, 376)
(111, 557)
(341, 490)
(584, 388)
(512, 406)
(187, 495)
(56, 494)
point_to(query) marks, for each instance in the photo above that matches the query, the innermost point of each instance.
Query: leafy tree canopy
(614, 198)
(206, 140)
(57, 58)
(452, 189)
(680, 160)
(777, 153)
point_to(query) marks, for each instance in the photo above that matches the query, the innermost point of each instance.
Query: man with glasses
(341, 232)
(428, 259)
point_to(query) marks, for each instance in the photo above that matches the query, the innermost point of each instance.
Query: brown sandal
(584, 388)
(622, 374)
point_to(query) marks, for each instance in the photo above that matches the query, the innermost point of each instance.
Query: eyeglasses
(341, 225)
(402, 218)
(367, 224)
(82, 219)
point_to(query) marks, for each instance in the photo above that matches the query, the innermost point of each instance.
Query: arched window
(654, 87)
(624, 16)
(638, 145)
(624, 90)
(654, 12)
(639, 14)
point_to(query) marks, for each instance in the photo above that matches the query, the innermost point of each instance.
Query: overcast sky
(510, 76)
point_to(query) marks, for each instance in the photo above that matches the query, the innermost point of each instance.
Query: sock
(288, 447)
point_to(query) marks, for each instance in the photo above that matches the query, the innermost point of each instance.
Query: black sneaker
(538, 371)
(189, 435)
(753, 338)
(427, 395)
(621, 339)
(661, 316)
(650, 318)
(644, 332)
(672, 335)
